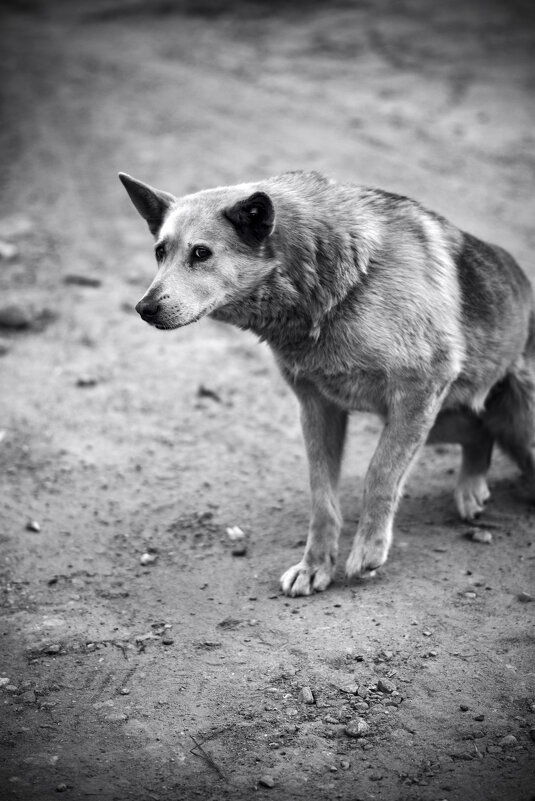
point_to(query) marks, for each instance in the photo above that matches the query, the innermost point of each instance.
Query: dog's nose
(148, 309)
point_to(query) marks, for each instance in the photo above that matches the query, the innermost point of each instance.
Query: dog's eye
(200, 253)
(160, 252)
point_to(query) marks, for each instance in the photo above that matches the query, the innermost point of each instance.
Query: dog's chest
(357, 391)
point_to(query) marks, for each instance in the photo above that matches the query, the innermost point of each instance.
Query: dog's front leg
(410, 418)
(324, 428)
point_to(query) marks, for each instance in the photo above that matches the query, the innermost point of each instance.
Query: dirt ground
(180, 675)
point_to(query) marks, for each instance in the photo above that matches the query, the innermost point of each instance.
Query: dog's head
(210, 249)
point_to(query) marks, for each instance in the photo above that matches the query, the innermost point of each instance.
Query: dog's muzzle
(148, 309)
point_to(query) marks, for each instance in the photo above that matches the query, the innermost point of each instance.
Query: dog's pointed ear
(151, 203)
(253, 218)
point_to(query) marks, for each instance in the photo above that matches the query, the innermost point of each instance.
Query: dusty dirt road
(182, 677)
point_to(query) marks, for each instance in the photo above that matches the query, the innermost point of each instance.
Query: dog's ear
(151, 203)
(253, 218)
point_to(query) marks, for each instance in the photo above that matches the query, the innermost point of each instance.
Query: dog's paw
(306, 578)
(367, 555)
(471, 495)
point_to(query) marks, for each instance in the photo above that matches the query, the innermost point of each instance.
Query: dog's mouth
(172, 325)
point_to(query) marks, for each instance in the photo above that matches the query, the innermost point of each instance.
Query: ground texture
(141, 658)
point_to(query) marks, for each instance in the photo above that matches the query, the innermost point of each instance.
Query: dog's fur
(369, 302)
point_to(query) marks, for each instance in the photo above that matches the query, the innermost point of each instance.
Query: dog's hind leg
(510, 417)
(324, 428)
(464, 427)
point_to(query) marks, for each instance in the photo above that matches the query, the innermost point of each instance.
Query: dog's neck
(310, 278)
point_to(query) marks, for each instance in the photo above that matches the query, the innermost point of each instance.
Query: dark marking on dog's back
(489, 279)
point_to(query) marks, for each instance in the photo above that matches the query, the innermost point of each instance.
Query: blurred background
(117, 440)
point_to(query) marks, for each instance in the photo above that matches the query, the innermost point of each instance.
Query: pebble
(116, 717)
(350, 689)
(55, 648)
(86, 381)
(266, 781)
(509, 741)
(237, 539)
(124, 691)
(3, 681)
(532, 734)
(306, 695)
(479, 718)
(344, 764)
(361, 706)
(330, 719)
(15, 316)
(167, 640)
(525, 597)
(363, 692)
(8, 251)
(148, 558)
(357, 728)
(61, 787)
(480, 535)
(33, 525)
(464, 707)
(386, 686)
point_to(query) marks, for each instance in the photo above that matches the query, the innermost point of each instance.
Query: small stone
(330, 719)
(3, 681)
(167, 640)
(292, 712)
(525, 597)
(33, 525)
(494, 749)
(344, 764)
(116, 717)
(266, 781)
(470, 594)
(306, 695)
(532, 734)
(464, 707)
(350, 689)
(85, 381)
(480, 535)
(55, 648)
(386, 686)
(61, 787)
(363, 692)
(426, 633)
(28, 697)
(148, 558)
(124, 691)
(16, 317)
(479, 718)
(509, 741)
(239, 550)
(8, 251)
(357, 728)
(234, 533)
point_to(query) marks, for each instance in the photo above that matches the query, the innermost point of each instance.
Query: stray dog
(369, 302)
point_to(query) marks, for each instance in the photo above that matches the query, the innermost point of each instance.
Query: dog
(369, 302)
